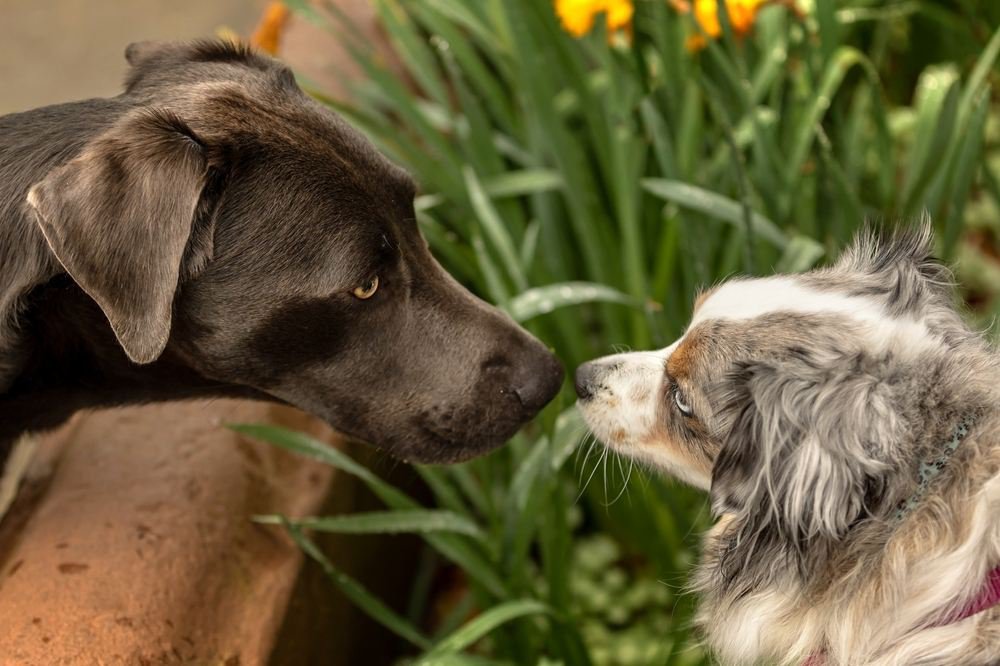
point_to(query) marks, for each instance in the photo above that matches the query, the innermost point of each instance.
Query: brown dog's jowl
(213, 231)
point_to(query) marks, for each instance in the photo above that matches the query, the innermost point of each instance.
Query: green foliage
(590, 187)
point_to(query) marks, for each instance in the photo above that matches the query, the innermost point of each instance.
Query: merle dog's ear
(807, 443)
(118, 218)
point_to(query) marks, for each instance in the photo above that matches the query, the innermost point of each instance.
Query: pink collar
(988, 597)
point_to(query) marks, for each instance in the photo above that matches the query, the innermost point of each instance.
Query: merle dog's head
(796, 398)
(228, 219)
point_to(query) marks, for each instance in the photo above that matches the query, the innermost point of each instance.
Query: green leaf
(358, 595)
(937, 112)
(542, 300)
(961, 171)
(451, 546)
(522, 182)
(529, 245)
(409, 45)
(714, 205)
(569, 432)
(463, 660)
(508, 184)
(801, 254)
(981, 70)
(494, 229)
(445, 494)
(482, 626)
(842, 60)
(304, 445)
(419, 521)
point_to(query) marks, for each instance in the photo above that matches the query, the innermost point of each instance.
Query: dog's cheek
(685, 455)
(300, 336)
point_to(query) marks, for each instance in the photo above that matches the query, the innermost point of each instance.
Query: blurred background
(587, 165)
(76, 48)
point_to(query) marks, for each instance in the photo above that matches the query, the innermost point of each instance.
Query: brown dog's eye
(367, 289)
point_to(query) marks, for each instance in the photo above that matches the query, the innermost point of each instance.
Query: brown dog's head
(228, 220)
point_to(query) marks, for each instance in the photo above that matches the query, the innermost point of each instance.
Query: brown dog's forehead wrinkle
(282, 129)
(245, 110)
(230, 93)
(285, 214)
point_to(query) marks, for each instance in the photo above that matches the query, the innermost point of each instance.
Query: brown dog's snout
(537, 379)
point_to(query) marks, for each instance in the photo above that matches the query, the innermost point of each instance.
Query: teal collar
(931, 469)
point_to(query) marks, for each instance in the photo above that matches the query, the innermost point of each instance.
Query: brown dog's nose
(537, 383)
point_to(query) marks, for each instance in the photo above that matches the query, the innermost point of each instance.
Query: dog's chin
(435, 445)
(598, 426)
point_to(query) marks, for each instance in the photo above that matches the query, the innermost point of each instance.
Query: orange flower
(742, 14)
(577, 16)
(267, 36)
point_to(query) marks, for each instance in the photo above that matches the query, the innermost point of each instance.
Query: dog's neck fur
(868, 598)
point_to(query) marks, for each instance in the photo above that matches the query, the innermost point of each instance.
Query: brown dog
(213, 231)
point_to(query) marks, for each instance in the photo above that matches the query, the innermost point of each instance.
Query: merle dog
(213, 231)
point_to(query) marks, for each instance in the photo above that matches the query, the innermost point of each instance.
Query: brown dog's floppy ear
(118, 217)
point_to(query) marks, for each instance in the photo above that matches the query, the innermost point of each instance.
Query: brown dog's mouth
(444, 446)
(449, 434)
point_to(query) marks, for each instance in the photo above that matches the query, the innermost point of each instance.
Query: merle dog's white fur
(813, 400)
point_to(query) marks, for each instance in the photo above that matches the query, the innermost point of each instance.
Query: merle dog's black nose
(539, 382)
(586, 379)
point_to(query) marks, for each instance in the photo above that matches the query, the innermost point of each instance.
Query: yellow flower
(742, 14)
(577, 16)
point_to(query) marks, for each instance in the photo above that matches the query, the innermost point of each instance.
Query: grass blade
(483, 625)
(304, 445)
(451, 546)
(842, 60)
(801, 254)
(358, 595)
(542, 300)
(715, 205)
(494, 229)
(419, 521)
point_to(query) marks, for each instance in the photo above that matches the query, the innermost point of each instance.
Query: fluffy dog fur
(805, 405)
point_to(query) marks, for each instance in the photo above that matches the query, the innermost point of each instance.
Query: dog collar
(931, 469)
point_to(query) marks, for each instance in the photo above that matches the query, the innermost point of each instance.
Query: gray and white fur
(805, 405)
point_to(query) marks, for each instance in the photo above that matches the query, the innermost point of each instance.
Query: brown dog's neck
(71, 361)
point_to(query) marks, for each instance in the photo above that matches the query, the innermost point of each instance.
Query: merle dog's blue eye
(681, 403)
(367, 289)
